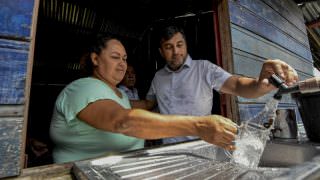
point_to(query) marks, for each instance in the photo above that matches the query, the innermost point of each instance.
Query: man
(184, 86)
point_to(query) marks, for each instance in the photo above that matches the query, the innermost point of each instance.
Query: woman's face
(110, 65)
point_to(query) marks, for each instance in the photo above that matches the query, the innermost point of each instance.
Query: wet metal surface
(193, 160)
(285, 154)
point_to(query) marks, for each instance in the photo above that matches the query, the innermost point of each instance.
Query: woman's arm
(109, 116)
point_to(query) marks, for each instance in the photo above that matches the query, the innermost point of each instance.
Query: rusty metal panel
(16, 18)
(10, 145)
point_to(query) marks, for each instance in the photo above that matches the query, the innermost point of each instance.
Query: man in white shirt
(184, 86)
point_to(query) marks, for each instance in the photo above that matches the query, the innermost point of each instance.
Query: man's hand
(143, 104)
(281, 68)
(254, 88)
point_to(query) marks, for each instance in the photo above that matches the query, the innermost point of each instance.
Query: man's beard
(174, 66)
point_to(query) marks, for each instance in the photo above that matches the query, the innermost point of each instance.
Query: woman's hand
(217, 130)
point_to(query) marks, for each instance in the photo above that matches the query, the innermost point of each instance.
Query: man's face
(174, 51)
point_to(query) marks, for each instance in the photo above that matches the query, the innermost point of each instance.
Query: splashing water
(268, 112)
(250, 145)
(245, 145)
(253, 136)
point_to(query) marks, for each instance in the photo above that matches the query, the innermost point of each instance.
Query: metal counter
(191, 160)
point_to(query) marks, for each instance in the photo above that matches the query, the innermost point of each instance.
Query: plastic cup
(250, 143)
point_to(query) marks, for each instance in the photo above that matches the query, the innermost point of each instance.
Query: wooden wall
(267, 29)
(15, 52)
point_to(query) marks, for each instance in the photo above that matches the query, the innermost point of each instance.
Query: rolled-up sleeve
(151, 95)
(215, 76)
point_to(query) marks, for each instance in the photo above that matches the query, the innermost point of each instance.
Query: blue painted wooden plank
(249, 52)
(289, 10)
(259, 8)
(10, 146)
(253, 60)
(248, 65)
(11, 44)
(242, 17)
(13, 67)
(11, 110)
(251, 43)
(16, 18)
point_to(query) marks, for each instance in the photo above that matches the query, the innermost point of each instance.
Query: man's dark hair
(168, 32)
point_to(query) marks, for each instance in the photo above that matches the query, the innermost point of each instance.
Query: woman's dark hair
(99, 43)
(168, 32)
(96, 45)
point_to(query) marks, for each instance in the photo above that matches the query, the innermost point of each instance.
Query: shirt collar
(186, 64)
(123, 87)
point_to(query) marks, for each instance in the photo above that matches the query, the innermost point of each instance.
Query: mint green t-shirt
(76, 140)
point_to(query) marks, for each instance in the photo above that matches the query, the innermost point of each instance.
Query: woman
(92, 117)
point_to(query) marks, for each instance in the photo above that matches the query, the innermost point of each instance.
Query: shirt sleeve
(151, 95)
(215, 75)
(77, 95)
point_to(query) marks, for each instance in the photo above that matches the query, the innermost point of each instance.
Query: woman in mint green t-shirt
(92, 117)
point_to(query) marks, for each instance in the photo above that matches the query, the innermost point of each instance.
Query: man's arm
(243, 86)
(143, 104)
(253, 88)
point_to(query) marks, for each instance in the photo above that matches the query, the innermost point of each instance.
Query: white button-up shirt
(189, 90)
